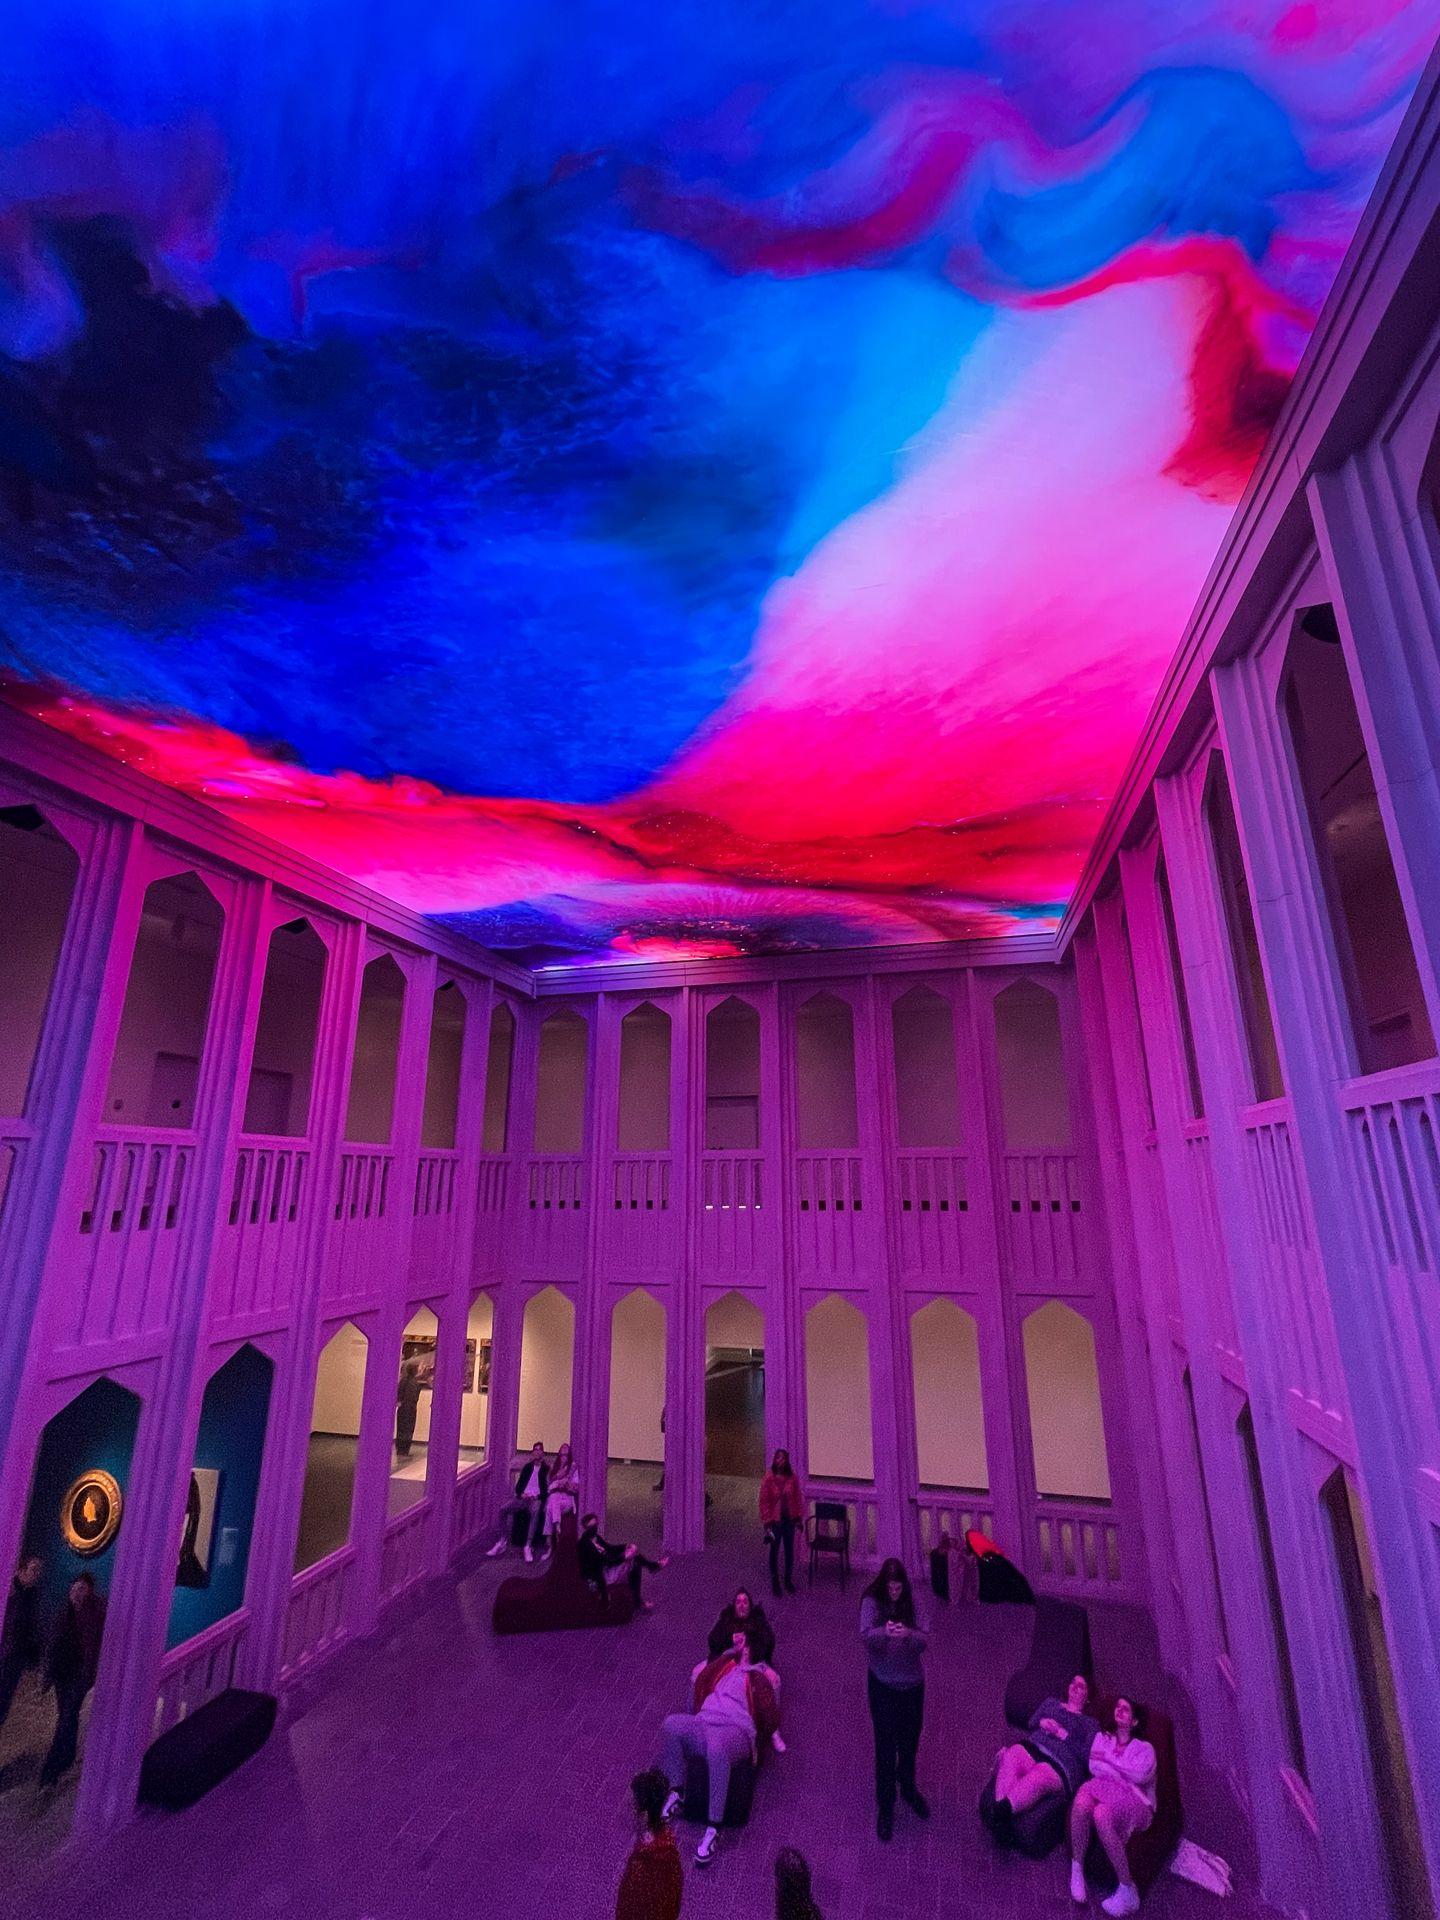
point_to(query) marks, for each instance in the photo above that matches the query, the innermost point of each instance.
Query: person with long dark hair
(743, 1615)
(653, 1883)
(793, 1898)
(70, 1668)
(895, 1636)
(782, 1508)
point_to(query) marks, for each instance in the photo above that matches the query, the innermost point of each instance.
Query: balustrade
(939, 1514)
(491, 1202)
(863, 1509)
(932, 1215)
(1079, 1549)
(1040, 1218)
(736, 1234)
(552, 1224)
(317, 1621)
(831, 1228)
(1214, 1265)
(124, 1250)
(640, 1226)
(404, 1550)
(359, 1248)
(434, 1233)
(197, 1670)
(255, 1264)
(467, 1515)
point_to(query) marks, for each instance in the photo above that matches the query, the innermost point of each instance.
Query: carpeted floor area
(438, 1771)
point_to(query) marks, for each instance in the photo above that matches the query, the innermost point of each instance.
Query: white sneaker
(777, 1742)
(529, 1553)
(1079, 1892)
(667, 1812)
(1124, 1900)
(705, 1852)
(499, 1547)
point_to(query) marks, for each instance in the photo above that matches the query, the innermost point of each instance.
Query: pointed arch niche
(155, 1070)
(643, 1107)
(635, 1427)
(826, 1116)
(547, 1365)
(732, 1077)
(1034, 1099)
(949, 1408)
(1067, 1426)
(38, 871)
(475, 1397)
(837, 1392)
(499, 1061)
(414, 1409)
(335, 1415)
(927, 1088)
(734, 1388)
(560, 1075)
(370, 1114)
(220, 1499)
(277, 1100)
(441, 1116)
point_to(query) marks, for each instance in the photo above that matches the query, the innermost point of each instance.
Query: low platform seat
(200, 1750)
(696, 1804)
(1148, 1852)
(559, 1597)
(1000, 1579)
(1035, 1832)
(1059, 1649)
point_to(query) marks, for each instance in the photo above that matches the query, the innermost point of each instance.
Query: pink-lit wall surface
(1271, 1264)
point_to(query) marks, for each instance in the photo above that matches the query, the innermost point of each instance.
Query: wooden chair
(828, 1531)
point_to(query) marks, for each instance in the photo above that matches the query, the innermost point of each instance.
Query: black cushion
(1036, 1831)
(697, 1791)
(1059, 1649)
(940, 1573)
(198, 1751)
(1001, 1579)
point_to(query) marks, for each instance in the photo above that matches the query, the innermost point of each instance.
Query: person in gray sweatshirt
(894, 1636)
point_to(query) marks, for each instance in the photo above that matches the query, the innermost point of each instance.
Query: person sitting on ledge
(1118, 1800)
(653, 1883)
(734, 1709)
(1052, 1759)
(532, 1483)
(744, 1614)
(600, 1561)
(564, 1494)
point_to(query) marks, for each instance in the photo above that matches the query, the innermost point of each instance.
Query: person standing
(70, 1668)
(407, 1407)
(782, 1508)
(20, 1635)
(653, 1883)
(895, 1637)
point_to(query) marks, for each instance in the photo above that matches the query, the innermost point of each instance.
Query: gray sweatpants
(723, 1746)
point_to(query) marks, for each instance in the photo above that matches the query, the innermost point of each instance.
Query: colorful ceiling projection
(653, 481)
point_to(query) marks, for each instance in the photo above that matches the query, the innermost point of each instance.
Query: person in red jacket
(782, 1508)
(733, 1716)
(653, 1882)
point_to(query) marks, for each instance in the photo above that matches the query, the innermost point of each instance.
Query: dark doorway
(734, 1414)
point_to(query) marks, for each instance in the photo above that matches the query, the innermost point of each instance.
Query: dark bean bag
(1148, 1852)
(1000, 1579)
(1035, 1832)
(1059, 1649)
(559, 1597)
(696, 1805)
(940, 1572)
(199, 1751)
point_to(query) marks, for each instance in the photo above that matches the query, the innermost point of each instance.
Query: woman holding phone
(895, 1637)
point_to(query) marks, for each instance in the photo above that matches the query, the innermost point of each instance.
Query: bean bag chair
(559, 1597)
(1148, 1852)
(1000, 1579)
(200, 1750)
(696, 1805)
(1037, 1831)
(1059, 1649)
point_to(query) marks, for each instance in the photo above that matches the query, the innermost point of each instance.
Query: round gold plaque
(90, 1512)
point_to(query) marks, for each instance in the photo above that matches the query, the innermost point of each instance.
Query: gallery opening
(720, 960)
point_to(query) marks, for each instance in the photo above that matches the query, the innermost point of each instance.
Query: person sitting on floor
(564, 1494)
(1052, 1759)
(653, 1882)
(532, 1483)
(601, 1561)
(1118, 1800)
(734, 1709)
(741, 1612)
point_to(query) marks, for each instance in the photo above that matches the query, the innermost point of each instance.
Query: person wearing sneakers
(734, 1702)
(654, 1883)
(532, 1483)
(895, 1639)
(603, 1562)
(1117, 1800)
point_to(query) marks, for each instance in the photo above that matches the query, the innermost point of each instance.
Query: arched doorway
(734, 1413)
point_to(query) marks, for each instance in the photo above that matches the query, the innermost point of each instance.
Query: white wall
(949, 1411)
(643, 1123)
(637, 1379)
(340, 1382)
(475, 1404)
(371, 1111)
(37, 879)
(560, 1084)
(825, 1112)
(927, 1093)
(837, 1392)
(1067, 1429)
(167, 1001)
(547, 1358)
(423, 1323)
(1033, 1095)
(734, 1321)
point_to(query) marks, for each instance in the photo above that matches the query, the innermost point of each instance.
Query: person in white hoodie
(1117, 1800)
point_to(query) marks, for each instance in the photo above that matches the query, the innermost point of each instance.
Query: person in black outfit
(894, 1639)
(407, 1407)
(70, 1668)
(742, 1615)
(532, 1485)
(20, 1645)
(598, 1556)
